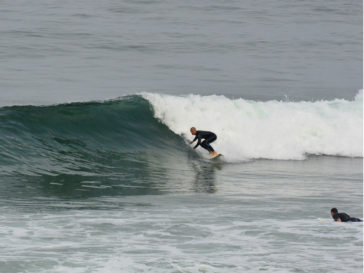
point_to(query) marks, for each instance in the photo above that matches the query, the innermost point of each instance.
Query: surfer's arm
(193, 140)
(198, 143)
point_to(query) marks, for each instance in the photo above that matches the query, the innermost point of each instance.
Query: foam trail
(249, 129)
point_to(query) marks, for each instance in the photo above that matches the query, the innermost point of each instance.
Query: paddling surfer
(342, 217)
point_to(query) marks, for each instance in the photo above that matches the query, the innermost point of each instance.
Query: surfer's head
(334, 211)
(193, 130)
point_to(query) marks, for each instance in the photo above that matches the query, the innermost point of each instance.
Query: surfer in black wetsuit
(208, 137)
(343, 217)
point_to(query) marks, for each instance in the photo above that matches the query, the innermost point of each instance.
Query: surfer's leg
(211, 139)
(207, 146)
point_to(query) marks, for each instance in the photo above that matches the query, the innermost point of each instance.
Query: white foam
(249, 129)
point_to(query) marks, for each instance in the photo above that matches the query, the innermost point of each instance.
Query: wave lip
(282, 130)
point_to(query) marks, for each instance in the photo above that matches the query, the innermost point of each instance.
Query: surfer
(208, 137)
(343, 217)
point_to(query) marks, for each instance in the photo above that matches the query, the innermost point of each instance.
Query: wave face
(272, 130)
(98, 145)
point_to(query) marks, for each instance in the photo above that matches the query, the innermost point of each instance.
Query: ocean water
(96, 102)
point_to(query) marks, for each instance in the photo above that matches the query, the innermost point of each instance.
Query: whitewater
(282, 130)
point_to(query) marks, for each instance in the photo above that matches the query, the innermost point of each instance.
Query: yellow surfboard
(216, 156)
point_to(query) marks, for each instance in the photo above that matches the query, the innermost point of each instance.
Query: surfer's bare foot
(213, 153)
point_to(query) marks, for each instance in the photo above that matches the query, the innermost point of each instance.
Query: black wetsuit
(208, 138)
(345, 217)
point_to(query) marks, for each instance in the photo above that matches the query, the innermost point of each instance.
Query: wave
(282, 130)
(81, 136)
(95, 135)
(137, 145)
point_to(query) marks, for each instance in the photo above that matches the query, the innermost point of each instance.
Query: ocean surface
(96, 102)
